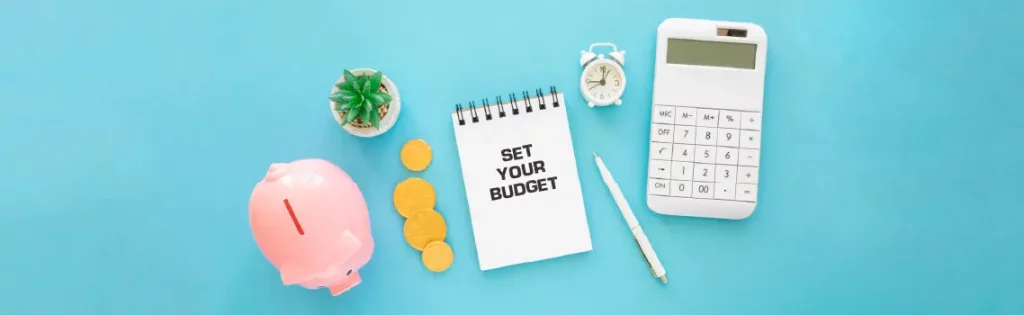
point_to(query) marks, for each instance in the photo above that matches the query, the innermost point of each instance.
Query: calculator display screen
(708, 53)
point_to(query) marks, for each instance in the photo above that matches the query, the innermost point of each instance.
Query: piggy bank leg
(346, 284)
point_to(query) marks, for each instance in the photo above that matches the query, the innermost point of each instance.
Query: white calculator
(706, 118)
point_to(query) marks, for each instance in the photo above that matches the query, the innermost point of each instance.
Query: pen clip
(648, 261)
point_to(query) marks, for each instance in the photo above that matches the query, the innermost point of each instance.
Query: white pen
(627, 213)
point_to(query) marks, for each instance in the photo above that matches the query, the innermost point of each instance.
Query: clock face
(603, 82)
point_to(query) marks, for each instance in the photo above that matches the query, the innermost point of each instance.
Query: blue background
(132, 133)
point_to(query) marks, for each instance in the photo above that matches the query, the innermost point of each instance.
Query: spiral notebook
(522, 184)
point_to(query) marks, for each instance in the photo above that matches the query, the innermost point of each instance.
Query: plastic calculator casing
(705, 139)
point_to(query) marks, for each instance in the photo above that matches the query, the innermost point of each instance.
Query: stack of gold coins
(415, 198)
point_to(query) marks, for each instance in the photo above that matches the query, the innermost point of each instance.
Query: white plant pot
(394, 109)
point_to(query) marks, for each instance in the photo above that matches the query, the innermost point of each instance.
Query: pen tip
(664, 279)
(595, 155)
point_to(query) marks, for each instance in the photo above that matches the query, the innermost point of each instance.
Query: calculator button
(680, 188)
(661, 151)
(746, 175)
(707, 117)
(725, 174)
(749, 157)
(661, 133)
(682, 152)
(707, 136)
(727, 156)
(725, 191)
(703, 154)
(729, 119)
(703, 190)
(658, 187)
(682, 171)
(729, 137)
(746, 192)
(751, 121)
(684, 134)
(703, 173)
(663, 114)
(750, 139)
(659, 169)
(686, 116)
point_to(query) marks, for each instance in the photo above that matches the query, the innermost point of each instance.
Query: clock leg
(590, 104)
(618, 102)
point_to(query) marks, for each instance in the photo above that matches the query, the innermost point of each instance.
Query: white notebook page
(541, 215)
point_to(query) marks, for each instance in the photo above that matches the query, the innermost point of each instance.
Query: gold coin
(424, 227)
(414, 194)
(416, 155)
(438, 256)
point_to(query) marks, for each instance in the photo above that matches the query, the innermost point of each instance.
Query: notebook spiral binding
(513, 104)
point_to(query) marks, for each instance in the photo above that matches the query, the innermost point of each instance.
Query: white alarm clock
(603, 80)
(705, 143)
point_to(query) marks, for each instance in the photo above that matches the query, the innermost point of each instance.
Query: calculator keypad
(705, 153)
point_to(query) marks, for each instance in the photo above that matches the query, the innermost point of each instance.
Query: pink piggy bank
(310, 221)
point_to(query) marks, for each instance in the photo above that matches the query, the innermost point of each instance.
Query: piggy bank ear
(276, 171)
(350, 244)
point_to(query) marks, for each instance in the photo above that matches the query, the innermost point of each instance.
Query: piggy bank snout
(352, 281)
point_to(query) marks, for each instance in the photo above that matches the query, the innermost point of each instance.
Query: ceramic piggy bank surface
(310, 221)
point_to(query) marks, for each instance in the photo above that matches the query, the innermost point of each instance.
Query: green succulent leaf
(385, 97)
(351, 115)
(344, 118)
(375, 80)
(349, 81)
(365, 87)
(366, 114)
(350, 106)
(343, 96)
(376, 98)
(375, 119)
(356, 98)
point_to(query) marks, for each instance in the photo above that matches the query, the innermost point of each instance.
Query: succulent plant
(359, 97)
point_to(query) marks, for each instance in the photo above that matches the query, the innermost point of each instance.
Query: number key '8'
(707, 136)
